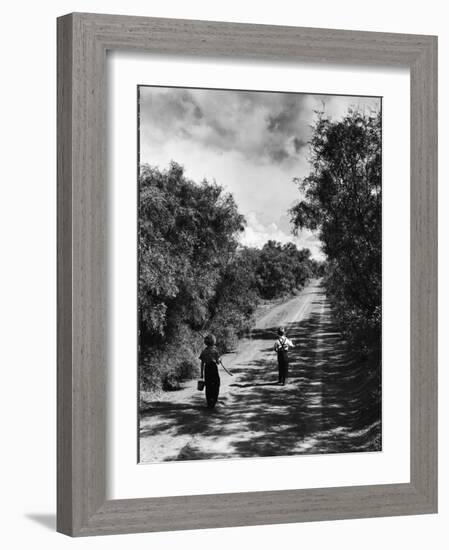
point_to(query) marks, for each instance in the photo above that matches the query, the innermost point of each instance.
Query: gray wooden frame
(83, 40)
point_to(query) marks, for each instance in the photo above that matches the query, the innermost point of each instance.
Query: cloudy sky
(251, 143)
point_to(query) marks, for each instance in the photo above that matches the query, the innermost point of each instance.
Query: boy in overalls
(281, 347)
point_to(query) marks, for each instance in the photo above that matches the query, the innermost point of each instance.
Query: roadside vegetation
(343, 201)
(195, 278)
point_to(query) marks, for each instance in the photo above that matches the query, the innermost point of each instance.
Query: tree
(342, 199)
(187, 236)
(236, 298)
(282, 269)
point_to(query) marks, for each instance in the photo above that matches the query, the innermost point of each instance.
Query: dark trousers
(212, 382)
(283, 366)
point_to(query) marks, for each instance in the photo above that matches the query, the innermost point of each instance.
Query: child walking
(210, 358)
(281, 347)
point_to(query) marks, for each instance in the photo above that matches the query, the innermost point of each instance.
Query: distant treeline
(194, 277)
(343, 200)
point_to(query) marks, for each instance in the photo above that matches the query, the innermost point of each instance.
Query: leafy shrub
(282, 269)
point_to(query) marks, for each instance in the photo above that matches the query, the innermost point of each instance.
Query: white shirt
(283, 343)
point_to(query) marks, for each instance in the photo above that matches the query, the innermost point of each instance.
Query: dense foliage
(342, 199)
(282, 268)
(195, 278)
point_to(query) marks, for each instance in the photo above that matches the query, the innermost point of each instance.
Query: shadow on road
(328, 406)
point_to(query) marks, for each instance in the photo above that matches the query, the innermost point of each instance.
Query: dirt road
(323, 408)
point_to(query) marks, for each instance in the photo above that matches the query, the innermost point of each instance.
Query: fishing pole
(221, 363)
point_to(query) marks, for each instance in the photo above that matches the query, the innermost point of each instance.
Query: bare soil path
(325, 407)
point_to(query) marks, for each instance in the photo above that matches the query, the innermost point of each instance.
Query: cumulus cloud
(257, 233)
(265, 127)
(251, 143)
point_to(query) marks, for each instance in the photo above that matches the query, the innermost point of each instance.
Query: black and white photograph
(259, 273)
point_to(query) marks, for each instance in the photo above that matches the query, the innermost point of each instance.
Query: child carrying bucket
(210, 359)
